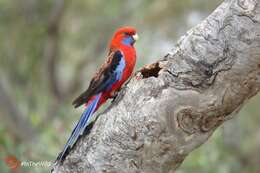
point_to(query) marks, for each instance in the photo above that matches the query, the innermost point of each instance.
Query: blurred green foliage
(80, 35)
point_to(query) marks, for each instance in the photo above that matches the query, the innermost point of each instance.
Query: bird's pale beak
(135, 37)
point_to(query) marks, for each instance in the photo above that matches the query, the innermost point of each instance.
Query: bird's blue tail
(80, 127)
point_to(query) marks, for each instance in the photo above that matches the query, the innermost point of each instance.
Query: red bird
(111, 76)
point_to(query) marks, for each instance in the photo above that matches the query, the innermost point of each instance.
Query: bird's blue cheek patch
(128, 41)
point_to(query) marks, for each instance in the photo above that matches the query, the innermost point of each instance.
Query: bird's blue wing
(109, 73)
(114, 72)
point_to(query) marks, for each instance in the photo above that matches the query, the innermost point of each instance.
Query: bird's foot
(138, 76)
(113, 95)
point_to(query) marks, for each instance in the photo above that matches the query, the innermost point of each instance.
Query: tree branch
(51, 52)
(179, 100)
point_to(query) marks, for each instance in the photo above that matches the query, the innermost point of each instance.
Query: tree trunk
(175, 104)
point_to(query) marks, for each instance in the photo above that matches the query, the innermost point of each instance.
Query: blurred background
(49, 49)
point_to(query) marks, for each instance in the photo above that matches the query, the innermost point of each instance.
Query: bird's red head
(125, 35)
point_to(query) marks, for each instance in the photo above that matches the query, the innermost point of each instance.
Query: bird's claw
(113, 95)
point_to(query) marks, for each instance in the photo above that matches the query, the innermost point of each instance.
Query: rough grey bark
(179, 100)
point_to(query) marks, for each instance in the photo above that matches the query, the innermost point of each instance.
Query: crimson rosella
(106, 82)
